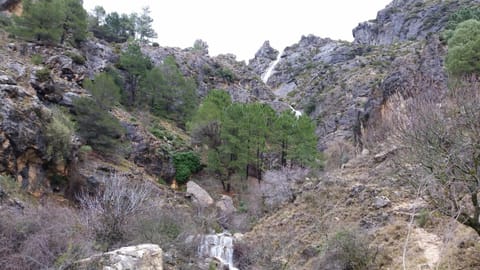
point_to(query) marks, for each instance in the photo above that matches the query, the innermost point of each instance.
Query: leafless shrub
(110, 212)
(41, 238)
(441, 149)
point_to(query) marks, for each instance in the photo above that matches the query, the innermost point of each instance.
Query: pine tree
(144, 25)
(97, 126)
(41, 21)
(75, 24)
(104, 89)
(284, 127)
(304, 142)
(136, 64)
(169, 93)
(463, 57)
(52, 21)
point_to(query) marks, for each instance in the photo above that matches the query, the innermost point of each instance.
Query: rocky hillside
(343, 85)
(408, 20)
(294, 218)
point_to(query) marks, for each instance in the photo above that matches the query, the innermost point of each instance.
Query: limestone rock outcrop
(141, 257)
(404, 20)
(263, 58)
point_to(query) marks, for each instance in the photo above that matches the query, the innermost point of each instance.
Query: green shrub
(43, 74)
(158, 133)
(225, 74)
(349, 250)
(5, 21)
(155, 45)
(186, 164)
(76, 58)
(97, 126)
(464, 49)
(423, 218)
(58, 136)
(37, 59)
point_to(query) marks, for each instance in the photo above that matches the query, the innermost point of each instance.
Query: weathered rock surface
(225, 205)
(404, 20)
(343, 86)
(21, 145)
(141, 257)
(199, 195)
(220, 72)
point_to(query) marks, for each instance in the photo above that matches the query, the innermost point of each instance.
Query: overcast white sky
(241, 27)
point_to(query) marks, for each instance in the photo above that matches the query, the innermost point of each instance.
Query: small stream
(218, 246)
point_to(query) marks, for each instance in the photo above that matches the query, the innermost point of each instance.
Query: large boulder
(141, 257)
(199, 195)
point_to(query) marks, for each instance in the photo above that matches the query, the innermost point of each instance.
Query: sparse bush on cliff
(58, 135)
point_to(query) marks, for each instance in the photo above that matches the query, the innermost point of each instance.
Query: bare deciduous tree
(440, 144)
(109, 212)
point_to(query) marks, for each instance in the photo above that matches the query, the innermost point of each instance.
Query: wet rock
(199, 195)
(141, 257)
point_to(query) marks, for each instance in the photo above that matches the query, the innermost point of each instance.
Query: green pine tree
(463, 57)
(136, 64)
(144, 25)
(104, 89)
(41, 21)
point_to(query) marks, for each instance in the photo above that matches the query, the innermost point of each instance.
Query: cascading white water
(219, 246)
(297, 113)
(269, 71)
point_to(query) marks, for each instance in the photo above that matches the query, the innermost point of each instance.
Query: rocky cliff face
(221, 72)
(263, 58)
(407, 20)
(343, 85)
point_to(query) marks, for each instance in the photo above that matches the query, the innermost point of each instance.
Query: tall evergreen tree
(282, 138)
(144, 25)
(304, 142)
(463, 57)
(136, 64)
(169, 93)
(76, 22)
(41, 21)
(104, 89)
(52, 21)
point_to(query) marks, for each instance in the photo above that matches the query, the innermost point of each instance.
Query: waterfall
(269, 71)
(297, 113)
(219, 246)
